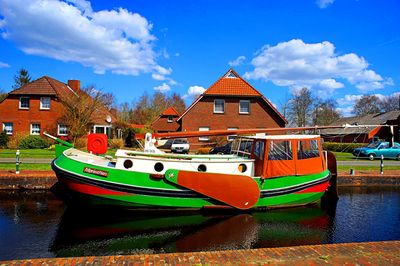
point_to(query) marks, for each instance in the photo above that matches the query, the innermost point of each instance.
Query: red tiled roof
(43, 86)
(170, 111)
(232, 86)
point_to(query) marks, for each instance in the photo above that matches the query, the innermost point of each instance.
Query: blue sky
(337, 48)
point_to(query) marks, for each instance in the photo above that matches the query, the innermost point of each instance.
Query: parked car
(378, 148)
(180, 146)
(226, 149)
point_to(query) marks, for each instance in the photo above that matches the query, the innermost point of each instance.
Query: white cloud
(107, 40)
(194, 91)
(297, 64)
(163, 88)
(4, 65)
(237, 61)
(324, 3)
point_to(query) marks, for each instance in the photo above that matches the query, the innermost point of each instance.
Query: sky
(340, 49)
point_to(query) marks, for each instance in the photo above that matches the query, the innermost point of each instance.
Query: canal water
(36, 224)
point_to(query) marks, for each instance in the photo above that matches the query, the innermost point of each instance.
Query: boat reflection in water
(83, 232)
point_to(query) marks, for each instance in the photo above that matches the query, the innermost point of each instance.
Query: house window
(24, 103)
(244, 107)
(232, 137)
(62, 130)
(219, 106)
(8, 128)
(44, 103)
(204, 129)
(103, 129)
(170, 119)
(35, 129)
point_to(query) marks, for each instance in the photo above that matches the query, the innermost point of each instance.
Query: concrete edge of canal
(46, 179)
(367, 253)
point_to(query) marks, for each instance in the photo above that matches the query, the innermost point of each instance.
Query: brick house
(35, 108)
(166, 121)
(229, 103)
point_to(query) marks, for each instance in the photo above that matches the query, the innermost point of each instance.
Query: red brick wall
(21, 119)
(162, 124)
(202, 115)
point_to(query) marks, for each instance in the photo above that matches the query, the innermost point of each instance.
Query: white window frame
(240, 103)
(104, 128)
(170, 119)
(35, 133)
(41, 103)
(20, 100)
(204, 129)
(231, 137)
(223, 106)
(12, 128)
(58, 130)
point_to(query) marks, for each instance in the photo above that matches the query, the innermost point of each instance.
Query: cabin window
(35, 129)
(219, 106)
(259, 149)
(307, 149)
(280, 150)
(45, 103)
(204, 129)
(170, 119)
(24, 103)
(8, 128)
(62, 130)
(244, 107)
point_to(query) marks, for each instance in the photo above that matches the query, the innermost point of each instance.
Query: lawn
(36, 166)
(29, 153)
(347, 168)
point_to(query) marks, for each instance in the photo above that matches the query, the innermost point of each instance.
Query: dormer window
(170, 119)
(44, 103)
(219, 106)
(24, 103)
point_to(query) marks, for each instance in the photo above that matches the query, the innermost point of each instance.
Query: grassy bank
(37, 166)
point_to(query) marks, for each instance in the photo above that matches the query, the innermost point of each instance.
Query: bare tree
(21, 78)
(177, 102)
(367, 104)
(325, 112)
(3, 95)
(300, 108)
(390, 103)
(81, 108)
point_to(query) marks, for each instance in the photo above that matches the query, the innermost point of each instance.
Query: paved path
(373, 253)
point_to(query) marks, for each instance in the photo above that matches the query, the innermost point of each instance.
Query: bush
(342, 147)
(34, 142)
(205, 150)
(116, 143)
(15, 140)
(81, 143)
(3, 139)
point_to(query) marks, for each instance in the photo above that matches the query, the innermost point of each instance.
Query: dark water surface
(36, 224)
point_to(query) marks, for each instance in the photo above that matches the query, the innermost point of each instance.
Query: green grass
(344, 156)
(29, 153)
(11, 166)
(366, 168)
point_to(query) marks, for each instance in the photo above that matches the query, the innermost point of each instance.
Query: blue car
(376, 149)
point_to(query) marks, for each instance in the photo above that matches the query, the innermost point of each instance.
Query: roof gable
(231, 84)
(170, 111)
(42, 86)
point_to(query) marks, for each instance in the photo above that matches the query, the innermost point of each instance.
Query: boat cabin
(284, 155)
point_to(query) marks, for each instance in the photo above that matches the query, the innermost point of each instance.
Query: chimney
(74, 84)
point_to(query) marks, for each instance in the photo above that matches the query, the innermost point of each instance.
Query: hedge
(34, 142)
(342, 147)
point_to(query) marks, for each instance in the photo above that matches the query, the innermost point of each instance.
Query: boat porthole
(202, 168)
(128, 164)
(242, 168)
(158, 167)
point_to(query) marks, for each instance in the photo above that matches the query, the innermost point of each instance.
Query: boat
(277, 171)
